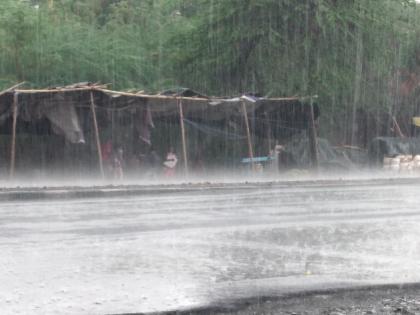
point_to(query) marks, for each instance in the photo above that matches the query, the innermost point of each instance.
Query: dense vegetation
(348, 52)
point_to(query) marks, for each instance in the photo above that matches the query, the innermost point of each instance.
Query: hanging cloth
(145, 125)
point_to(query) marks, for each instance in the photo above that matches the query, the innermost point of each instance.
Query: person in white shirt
(170, 163)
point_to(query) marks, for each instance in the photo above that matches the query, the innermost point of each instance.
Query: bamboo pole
(157, 97)
(13, 146)
(101, 88)
(267, 118)
(313, 143)
(184, 142)
(198, 99)
(52, 91)
(397, 128)
(98, 141)
(248, 134)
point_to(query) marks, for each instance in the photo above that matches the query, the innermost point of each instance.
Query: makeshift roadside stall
(92, 120)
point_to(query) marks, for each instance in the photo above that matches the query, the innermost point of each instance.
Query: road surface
(205, 246)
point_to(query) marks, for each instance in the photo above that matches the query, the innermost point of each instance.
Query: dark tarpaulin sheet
(58, 111)
(296, 154)
(381, 147)
(212, 109)
(213, 131)
(59, 107)
(65, 122)
(145, 124)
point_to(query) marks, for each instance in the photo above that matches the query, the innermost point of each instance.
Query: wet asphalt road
(206, 246)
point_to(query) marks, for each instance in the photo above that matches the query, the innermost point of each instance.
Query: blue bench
(257, 159)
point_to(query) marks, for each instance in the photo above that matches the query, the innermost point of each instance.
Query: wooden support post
(183, 137)
(267, 119)
(13, 146)
(313, 143)
(96, 129)
(248, 134)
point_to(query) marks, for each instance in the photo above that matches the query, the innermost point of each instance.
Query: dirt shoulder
(403, 299)
(386, 300)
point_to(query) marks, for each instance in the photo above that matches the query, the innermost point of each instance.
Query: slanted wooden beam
(183, 137)
(13, 145)
(96, 129)
(11, 88)
(397, 128)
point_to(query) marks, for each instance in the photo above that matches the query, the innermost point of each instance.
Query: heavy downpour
(210, 157)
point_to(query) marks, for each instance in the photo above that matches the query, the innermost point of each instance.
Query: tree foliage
(346, 51)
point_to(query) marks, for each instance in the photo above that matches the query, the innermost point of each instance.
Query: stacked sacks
(416, 162)
(392, 163)
(406, 163)
(402, 163)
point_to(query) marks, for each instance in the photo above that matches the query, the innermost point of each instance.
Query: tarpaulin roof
(164, 104)
(36, 103)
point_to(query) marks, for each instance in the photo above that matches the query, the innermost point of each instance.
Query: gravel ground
(381, 300)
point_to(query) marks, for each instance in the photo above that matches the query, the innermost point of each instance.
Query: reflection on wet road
(168, 251)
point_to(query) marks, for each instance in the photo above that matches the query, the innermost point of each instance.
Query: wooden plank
(183, 137)
(248, 134)
(96, 129)
(13, 146)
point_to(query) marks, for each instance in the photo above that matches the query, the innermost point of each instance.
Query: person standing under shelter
(170, 163)
(118, 164)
